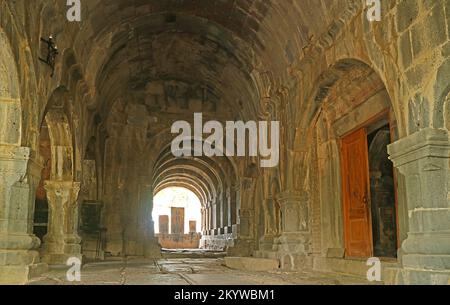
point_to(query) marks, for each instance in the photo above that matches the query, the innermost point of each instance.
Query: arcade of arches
(363, 110)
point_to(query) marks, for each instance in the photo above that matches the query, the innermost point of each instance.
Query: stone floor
(186, 271)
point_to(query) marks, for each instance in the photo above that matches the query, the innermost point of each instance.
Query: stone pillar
(233, 204)
(226, 211)
(210, 218)
(215, 217)
(424, 160)
(294, 244)
(218, 214)
(19, 176)
(207, 219)
(62, 240)
(151, 246)
(203, 224)
(243, 226)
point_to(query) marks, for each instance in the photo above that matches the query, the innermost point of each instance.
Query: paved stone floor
(186, 271)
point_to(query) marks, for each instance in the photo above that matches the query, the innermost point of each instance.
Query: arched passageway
(177, 214)
(362, 108)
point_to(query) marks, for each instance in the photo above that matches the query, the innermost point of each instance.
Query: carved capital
(291, 198)
(427, 143)
(295, 211)
(62, 192)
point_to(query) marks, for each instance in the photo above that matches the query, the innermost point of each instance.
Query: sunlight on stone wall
(178, 198)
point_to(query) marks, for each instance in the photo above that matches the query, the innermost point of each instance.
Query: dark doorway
(40, 225)
(382, 190)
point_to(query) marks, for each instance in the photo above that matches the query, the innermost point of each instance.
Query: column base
(152, 248)
(52, 257)
(21, 275)
(267, 242)
(19, 267)
(407, 276)
(241, 248)
(293, 250)
(59, 259)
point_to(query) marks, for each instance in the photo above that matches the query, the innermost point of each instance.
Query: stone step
(252, 264)
(355, 267)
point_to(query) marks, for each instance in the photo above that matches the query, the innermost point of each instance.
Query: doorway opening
(177, 217)
(369, 194)
(382, 192)
(41, 210)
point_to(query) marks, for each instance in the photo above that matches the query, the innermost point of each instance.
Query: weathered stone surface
(177, 221)
(163, 224)
(19, 260)
(179, 241)
(62, 240)
(424, 160)
(252, 264)
(130, 69)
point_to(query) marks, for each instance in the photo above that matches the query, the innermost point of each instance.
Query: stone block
(177, 223)
(163, 224)
(252, 264)
(192, 226)
(20, 275)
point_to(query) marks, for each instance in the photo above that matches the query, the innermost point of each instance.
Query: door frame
(380, 116)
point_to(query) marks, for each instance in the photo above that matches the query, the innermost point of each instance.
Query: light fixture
(52, 52)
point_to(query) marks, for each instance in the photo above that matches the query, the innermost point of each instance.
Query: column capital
(294, 206)
(51, 185)
(245, 183)
(62, 192)
(291, 197)
(425, 143)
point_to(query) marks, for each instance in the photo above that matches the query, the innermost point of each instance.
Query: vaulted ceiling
(218, 45)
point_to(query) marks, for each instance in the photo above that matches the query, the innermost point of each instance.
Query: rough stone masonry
(364, 131)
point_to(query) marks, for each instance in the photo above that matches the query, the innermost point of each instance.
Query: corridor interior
(341, 113)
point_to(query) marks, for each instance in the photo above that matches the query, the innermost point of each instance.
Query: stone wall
(129, 71)
(179, 241)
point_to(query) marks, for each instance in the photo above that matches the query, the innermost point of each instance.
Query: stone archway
(213, 180)
(350, 96)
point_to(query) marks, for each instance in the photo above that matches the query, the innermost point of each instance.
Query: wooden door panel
(356, 196)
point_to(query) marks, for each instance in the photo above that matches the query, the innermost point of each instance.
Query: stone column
(294, 244)
(203, 224)
(214, 217)
(152, 249)
(207, 219)
(226, 211)
(424, 160)
(243, 226)
(218, 211)
(19, 176)
(62, 240)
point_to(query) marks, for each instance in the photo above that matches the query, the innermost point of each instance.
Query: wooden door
(356, 195)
